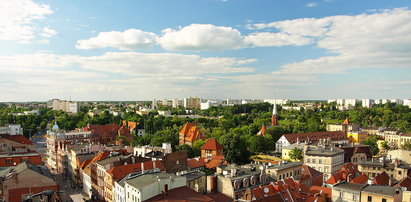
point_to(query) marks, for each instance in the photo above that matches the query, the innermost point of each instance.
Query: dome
(56, 127)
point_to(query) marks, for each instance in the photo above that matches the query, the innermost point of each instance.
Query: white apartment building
(149, 185)
(277, 101)
(175, 103)
(66, 106)
(12, 129)
(367, 103)
(350, 102)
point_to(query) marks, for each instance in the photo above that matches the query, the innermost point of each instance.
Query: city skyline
(144, 50)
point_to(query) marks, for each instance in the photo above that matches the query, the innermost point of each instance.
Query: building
(356, 153)
(274, 122)
(280, 102)
(191, 102)
(381, 193)
(285, 152)
(189, 134)
(347, 173)
(196, 180)
(285, 169)
(87, 173)
(25, 179)
(324, 158)
(396, 169)
(11, 129)
(233, 181)
(66, 106)
(144, 187)
(346, 126)
(7, 160)
(288, 139)
(142, 151)
(311, 177)
(175, 103)
(346, 191)
(356, 136)
(402, 154)
(13, 144)
(367, 103)
(211, 148)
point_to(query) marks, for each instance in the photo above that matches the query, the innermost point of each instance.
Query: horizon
(239, 49)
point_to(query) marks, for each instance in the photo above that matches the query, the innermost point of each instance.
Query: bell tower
(274, 117)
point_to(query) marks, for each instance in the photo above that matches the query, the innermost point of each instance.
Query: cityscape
(205, 101)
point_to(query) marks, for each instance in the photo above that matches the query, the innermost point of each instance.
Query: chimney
(154, 165)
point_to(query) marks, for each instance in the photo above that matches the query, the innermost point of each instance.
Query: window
(369, 199)
(399, 172)
(384, 200)
(354, 197)
(308, 160)
(320, 161)
(341, 194)
(313, 160)
(8, 161)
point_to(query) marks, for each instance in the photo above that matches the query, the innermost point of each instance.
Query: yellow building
(357, 136)
(373, 193)
(285, 151)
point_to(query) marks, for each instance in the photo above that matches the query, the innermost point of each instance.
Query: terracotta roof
(350, 151)
(191, 132)
(212, 144)
(194, 163)
(346, 122)
(406, 182)
(362, 179)
(344, 172)
(17, 138)
(181, 194)
(308, 173)
(119, 172)
(318, 189)
(382, 179)
(333, 135)
(215, 162)
(103, 131)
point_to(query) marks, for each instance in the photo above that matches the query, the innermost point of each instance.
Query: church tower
(274, 117)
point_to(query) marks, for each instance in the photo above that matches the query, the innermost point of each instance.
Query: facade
(288, 139)
(404, 155)
(285, 170)
(191, 102)
(142, 151)
(196, 181)
(146, 186)
(12, 129)
(175, 103)
(356, 136)
(324, 158)
(189, 134)
(15, 144)
(285, 152)
(356, 153)
(311, 177)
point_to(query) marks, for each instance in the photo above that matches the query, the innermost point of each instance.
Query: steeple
(274, 117)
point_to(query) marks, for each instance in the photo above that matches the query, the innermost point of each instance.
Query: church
(274, 121)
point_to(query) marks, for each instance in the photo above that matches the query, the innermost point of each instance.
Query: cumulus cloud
(262, 39)
(201, 37)
(128, 40)
(48, 32)
(17, 17)
(380, 39)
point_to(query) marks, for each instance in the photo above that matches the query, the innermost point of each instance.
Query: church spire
(274, 117)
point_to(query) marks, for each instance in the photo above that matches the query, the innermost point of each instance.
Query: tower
(274, 117)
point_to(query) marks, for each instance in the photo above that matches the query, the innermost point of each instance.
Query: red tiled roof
(17, 138)
(406, 182)
(344, 173)
(119, 172)
(308, 173)
(104, 131)
(212, 144)
(191, 132)
(382, 179)
(194, 163)
(333, 135)
(214, 163)
(350, 151)
(362, 179)
(318, 189)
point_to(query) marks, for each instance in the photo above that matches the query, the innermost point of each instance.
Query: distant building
(396, 169)
(345, 126)
(356, 136)
(66, 106)
(176, 103)
(12, 129)
(280, 102)
(191, 102)
(274, 121)
(211, 149)
(367, 103)
(189, 134)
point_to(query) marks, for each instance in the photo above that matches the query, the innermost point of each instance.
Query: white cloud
(17, 17)
(371, 40)
(201, 37)
(48, 32)
(262, 39)
(310, 5)
(128, 40)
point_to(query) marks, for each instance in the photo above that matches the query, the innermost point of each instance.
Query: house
(396, 169)
(24, 179)
(145, 149)
(87, 173)
(402, 154)
(311, 177)
(147, 186)
(356, 136)
(347, 173)
(196, 180)
(345, 126)
(362, 179)
(15, 144)
(355, 153)
(285, 152)
(196, 164)
(103, 134)
(324, 158)
(211, 148)
(189, 134)
(284, 169)
(288, 139)
(381, 193)
(7, 160)
(382, 179)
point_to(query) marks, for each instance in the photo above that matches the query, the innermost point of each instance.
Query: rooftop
(147, 179)
(349, 186)
(381, 190)
(193, 175)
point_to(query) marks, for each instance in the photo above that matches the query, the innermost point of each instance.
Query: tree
(296, 154)
(372, 142)
(406, 146)
(197, 147)
(235, 149)
(189, 150)
(385, 145)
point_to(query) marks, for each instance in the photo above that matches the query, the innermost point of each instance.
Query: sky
(249, 49)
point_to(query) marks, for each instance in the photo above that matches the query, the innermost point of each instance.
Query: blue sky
(145, 49)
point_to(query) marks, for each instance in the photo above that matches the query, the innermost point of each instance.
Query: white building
(340, 102)
(277, 101)
(149, 185)
(397, 101)
(208, 104)
(143, 150)
(175, 103)
(367, 103)
(11, 129)
(87, 184)
(350, 102)
(66, 106)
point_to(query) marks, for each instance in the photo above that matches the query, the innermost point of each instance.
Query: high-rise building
(66, 106)
(192, 102)
(175, 103)
(367, 103)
